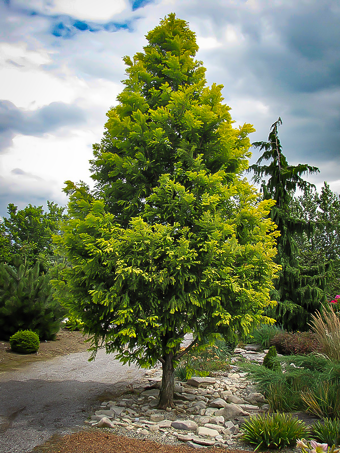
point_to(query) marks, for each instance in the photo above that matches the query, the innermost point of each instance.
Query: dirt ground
(67, 342)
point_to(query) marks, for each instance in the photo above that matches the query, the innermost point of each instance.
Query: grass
(326, 327)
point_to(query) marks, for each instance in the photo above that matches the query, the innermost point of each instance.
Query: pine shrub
(269, 360)
(273, 431)
(26, 302)
(24, 342)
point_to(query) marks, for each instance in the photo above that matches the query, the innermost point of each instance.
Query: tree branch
(181, 354)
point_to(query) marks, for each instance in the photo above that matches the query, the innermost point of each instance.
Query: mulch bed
(104, 442)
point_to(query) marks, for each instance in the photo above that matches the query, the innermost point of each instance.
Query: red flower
(334, 301)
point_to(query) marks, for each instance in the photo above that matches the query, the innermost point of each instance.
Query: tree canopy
(172, 240)
(27, 233)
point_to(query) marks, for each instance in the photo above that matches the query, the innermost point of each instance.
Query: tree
(26, 302)
(172, 240)
(322, 246)
(299, 288)
(28, 233)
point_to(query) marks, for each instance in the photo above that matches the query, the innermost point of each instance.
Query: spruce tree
(172, 240)
(299, 290)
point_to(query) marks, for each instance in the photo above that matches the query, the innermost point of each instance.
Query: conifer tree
(26, 302)
(299, 289)
(172, 240)
(321, 247)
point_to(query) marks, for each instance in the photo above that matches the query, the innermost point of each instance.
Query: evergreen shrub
(27, 303)
(289, 343)
(269, 360)
(273, 431)
(24, 342)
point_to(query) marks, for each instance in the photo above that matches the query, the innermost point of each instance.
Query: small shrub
(273, 431)
(24, 342)
(301, 343)
(181, 373)
(327, 431)
(73, 323)
(264, 333)
(269, 360)
(323, 399)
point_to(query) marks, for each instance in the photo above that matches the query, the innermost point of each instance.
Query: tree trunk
(166, 395)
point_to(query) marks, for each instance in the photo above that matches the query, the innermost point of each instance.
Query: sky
(61, 69)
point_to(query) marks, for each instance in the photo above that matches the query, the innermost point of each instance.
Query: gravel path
(56, 397)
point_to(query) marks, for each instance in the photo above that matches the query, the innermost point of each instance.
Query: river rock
(232, 411)
(188, 425)
(202, 441)
(105, 423)
(218, 428)
(203, 431)
(201, 381)
(255, 397)
(165, 424)
(235, 399)
(151, 392)
(219, 402)
(156, 417)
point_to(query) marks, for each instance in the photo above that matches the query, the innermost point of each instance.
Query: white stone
(218, 428)
(202, 441)
(153, 428)
(232, 411)
(203, 431)
(184, 437)
(105, 423)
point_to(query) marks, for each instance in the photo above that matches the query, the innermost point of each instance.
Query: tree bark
(166, 395)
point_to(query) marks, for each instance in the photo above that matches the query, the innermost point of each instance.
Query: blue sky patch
(136, 4)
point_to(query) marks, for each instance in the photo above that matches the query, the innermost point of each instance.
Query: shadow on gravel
(32, 411)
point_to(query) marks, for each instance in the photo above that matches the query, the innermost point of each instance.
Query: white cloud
(32, 88)
(21, 56)
(208, 43)
(94, 10)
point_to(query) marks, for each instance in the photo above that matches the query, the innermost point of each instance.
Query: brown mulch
(94, 441)
(66, 342)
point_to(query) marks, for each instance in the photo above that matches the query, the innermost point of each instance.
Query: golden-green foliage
(24, 342)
